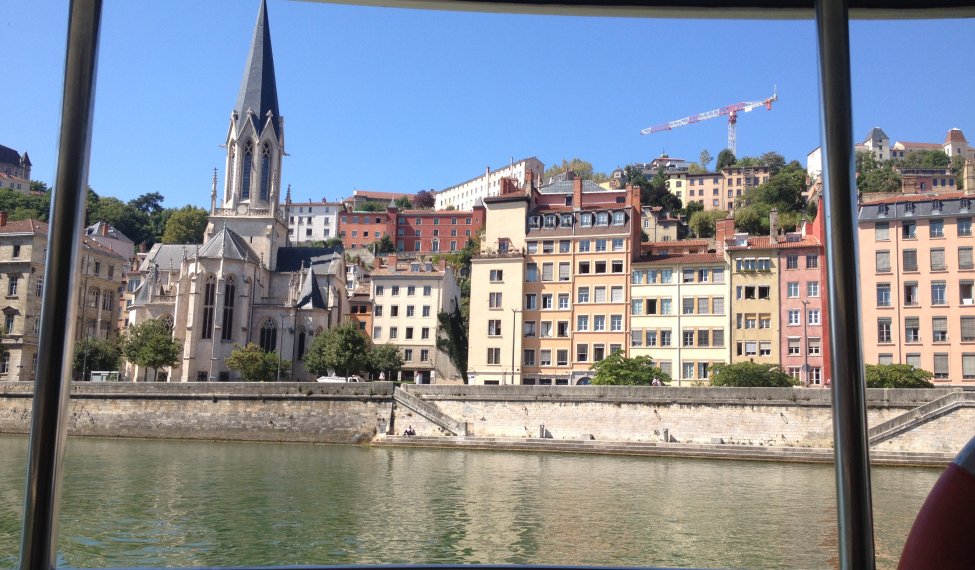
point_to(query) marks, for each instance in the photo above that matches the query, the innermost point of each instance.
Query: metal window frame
(52, 384)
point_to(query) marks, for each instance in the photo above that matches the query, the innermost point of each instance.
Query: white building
(407, 296)
(312, 221)
(466, 194)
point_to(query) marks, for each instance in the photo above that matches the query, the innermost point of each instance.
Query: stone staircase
(430, 412)
(919, 415)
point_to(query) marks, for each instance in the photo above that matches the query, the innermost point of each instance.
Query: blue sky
(403, 100)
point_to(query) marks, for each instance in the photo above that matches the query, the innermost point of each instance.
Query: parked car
(338, 379)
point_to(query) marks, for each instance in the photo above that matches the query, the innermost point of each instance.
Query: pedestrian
(656, 382)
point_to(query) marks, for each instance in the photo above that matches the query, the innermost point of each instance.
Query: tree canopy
(725, 158)
(255, 365)
(750, 375)
(343, 349)
(582, 168)
(385, 359)
(653, 191)
(897, 376)
(452, 338)
(94, 354)
(404, 203)
(703, 223)
(186, 225)
(424, 199)
(617, 369)
(874, 176)
(151, 344)
(783, 191)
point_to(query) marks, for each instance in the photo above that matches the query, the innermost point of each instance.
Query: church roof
(311, 293)
(111, 231)
(297, 258)
(226, 244)
(165, 256)
(258, 90)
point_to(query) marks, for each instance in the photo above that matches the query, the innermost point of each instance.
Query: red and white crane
(731, 111)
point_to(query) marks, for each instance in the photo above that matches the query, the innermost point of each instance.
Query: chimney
(724, 229)
(142, 246)
(3, 218)
(969, 177)
(773, 225)
(104, 228)
(577, 193)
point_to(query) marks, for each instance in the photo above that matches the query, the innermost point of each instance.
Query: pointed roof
(875, 133)
(955, 136)
(311, 292)
(258, 90)
(226, 244)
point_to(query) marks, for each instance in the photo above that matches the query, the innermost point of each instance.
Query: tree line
(144, 220)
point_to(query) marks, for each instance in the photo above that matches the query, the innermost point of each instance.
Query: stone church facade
(245, 283)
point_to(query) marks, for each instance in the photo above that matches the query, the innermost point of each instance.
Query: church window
(167, 321)
(209, 292)
(245, 186)
(301, 344)
(233, 165)
(269, 336)
(229, 297)
(265, 171)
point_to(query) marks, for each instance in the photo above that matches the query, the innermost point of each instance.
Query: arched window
(167, 321)
(245, 185)
(301, 344)
(265, 171)
(209, 292)
(229, 297)
(231, 168)
(269, 336)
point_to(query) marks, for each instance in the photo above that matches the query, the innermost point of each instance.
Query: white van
(338, 379)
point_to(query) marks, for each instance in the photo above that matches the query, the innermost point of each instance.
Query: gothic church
(244, 284)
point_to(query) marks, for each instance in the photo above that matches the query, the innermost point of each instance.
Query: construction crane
(731, 111)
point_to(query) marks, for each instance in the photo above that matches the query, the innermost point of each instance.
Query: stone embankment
(794, 424)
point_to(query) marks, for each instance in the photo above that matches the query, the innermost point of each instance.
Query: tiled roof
(295, 258)
(376, 195)
(932, 146)
(9, 155)
(914, 198)
(226, 244)
(684, 258)
(754, 242)
(955, 136)
(676, 242)
(92, 244)
(24, 226)
(806, 241)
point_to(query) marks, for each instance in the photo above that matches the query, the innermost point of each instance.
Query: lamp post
(805, 343)
(514, 332)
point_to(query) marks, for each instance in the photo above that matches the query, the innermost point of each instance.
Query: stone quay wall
(356, 413)
(793, 417)
(287, 412)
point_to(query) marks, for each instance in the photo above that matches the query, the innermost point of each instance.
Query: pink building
(917, 293)
(803, 310)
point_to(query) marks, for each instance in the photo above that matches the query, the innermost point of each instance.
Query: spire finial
(258, 90)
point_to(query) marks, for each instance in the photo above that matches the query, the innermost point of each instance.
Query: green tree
(38, 186)
(691, 209)
(897, 376)
(332, 242)
(21, 206)
(617, 369)
(750, 375)
(382, 245)
(94, 354)
(452, 339)
(774, 161)
(128, 219)
(404, 203)
(703, 223)
(343, 349)
(926, 159)
(150, 203)
(881, 179)
(582, 168)
(371, 206)
(255, 365)
(386, 359)
(186, 225)
(653, 191)
(958, 170)
(725, 158)
(151, 344)
(705, 159)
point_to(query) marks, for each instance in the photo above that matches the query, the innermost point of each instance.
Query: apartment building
(568, 264)
(23, 252)
(754, 287)
(802, 308)
(362, 228)
(435, 231)
(312, 221)
(466, 195)
(679, 310)
(716, 190)
(707, 188)
(407, 296)
(918, 284)
(14, 169)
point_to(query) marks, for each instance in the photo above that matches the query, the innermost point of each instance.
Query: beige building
(679, 313)
(407, 297)
(466, 195)
(23, 249)
(754, 291)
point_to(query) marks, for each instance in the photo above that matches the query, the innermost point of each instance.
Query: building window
(793, 290)
(910, 293)
(494, 356)
(939, 329)
(964, 258)
(909, 230)
(941, 366)
(938, 259)
(209, 291)
(794, 346)
(792, 262)
(883, 294)
(269, 336)
(494, 301)
(16, 251)
(882, 231)
(964, 227)
(582, 352)
(544, 357)
(939, 293)
(12, 286)
(912, 329)
(529, 357)
(496, 275)
(813, 316)
(968, 366)
(229, 300)
(883, 261)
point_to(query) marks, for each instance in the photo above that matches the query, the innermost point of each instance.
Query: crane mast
(731, 111)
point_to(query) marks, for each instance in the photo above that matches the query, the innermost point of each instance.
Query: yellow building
(754, 285)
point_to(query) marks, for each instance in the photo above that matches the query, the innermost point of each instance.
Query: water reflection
(156, 503)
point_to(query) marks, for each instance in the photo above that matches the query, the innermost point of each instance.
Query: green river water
(174, 503)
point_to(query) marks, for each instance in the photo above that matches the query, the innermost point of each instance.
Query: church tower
(255, 145)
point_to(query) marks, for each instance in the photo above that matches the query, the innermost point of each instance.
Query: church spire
(258, 90)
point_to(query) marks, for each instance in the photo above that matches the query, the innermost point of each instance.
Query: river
(174, 503)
